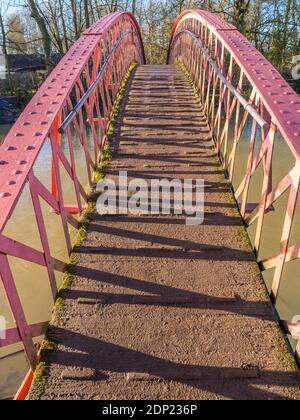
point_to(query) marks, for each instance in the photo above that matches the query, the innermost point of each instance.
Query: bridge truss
(240, 90)
(83, 87)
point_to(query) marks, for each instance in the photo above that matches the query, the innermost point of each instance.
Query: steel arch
(229, 74)
(90, 74)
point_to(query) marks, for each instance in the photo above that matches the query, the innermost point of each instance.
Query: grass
(107, 155)
(48, 347)
(184, 70)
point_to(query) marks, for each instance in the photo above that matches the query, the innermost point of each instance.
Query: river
(32, 282)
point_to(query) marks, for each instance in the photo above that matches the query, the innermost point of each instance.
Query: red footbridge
(238, 89)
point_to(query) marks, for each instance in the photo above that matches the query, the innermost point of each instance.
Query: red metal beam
(104, 42)
(226, 69)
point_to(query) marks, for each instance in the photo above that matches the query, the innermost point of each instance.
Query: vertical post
(17, 310)
(63, 213)
(43, 234)
(57, 137)
(265, 188)
(287, 230)
(249, 169)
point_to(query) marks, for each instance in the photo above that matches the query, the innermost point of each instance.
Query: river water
(32, 282)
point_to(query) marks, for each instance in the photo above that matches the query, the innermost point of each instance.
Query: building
(24, 63)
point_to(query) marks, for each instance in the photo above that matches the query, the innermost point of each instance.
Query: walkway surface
(160, 310)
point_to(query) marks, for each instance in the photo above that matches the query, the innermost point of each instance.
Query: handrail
(215, 54)
(93, 86)
(101, 58)
(44, 111)
(247, 106)
(277, 95)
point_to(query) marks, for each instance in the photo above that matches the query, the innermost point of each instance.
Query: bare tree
(272, 25)
(37, 16)
(4, 41)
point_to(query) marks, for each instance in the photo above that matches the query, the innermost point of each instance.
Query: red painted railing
(83, 87)
(239, 89)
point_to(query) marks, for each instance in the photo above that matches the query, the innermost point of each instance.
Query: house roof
(23, 62)
(28, 62)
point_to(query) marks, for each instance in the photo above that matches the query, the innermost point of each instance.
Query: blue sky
(4, 3)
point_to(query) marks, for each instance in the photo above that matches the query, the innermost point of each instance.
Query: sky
(5, 3)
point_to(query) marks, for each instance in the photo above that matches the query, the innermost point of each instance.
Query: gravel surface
(161, 310)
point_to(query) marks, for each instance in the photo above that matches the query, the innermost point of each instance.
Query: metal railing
(94, 85)
(90, 75)
(242, 94)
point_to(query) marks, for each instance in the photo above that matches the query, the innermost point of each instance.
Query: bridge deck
(160, 310)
